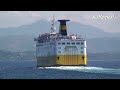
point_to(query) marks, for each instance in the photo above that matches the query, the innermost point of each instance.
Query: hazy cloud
(107, 20)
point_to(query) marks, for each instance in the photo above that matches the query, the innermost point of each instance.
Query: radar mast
(53, 25)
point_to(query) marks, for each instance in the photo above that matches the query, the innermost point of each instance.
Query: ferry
(60, 48)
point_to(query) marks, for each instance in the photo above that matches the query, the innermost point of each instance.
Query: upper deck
(62, 35)
(56, 36)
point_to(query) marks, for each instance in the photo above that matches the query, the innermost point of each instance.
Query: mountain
(89, 31)
(26, 55)
(103, 45)
(104, 56)
(22, 38)
(17, 43)
(26, 43)
(33, 29)
(44, 26)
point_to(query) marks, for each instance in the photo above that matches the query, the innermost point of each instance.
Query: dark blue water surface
(20, 69)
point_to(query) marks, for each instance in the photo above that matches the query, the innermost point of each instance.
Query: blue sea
(26, 69)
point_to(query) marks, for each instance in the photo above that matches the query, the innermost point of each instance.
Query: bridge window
(73, 43)
(68, 43)
(81, 43)
(63, 43)
(59, 43)
(77, 43)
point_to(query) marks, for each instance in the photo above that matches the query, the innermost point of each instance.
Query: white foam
(85, 69)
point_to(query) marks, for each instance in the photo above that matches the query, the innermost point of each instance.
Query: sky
(108, 21)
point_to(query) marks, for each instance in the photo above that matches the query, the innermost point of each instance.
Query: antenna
(53, 24)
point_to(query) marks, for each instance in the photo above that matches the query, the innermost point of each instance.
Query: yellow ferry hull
(62, 60)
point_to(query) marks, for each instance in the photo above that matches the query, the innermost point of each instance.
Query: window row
(78, 43)
(60, 47)
(60, 51)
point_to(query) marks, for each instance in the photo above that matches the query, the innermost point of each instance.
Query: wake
(86, 69)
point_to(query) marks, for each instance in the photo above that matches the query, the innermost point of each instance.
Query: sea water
(26, 69)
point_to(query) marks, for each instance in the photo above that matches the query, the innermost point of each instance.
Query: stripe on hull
(58, 60)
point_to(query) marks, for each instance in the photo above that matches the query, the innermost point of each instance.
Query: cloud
(110, 24)
(94, 18)
(34, 14)
(17, 18)
(17, 13)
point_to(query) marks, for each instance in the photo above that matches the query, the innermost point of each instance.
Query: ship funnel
(63, 27)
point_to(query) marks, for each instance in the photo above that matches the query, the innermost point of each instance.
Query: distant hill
(22, 38)
(89, 31)
(44, 26)
(26, 43)
(17, 43)
(104, 56)
(103, 45)
(26, 55)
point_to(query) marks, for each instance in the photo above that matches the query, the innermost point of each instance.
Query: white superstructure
(59, 48)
